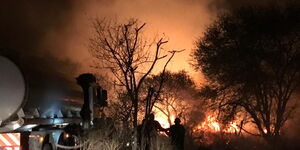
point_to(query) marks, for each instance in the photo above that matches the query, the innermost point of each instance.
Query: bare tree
(128, 55)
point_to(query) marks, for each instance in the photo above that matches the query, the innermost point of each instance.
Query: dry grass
(157, 142)
(105, 137)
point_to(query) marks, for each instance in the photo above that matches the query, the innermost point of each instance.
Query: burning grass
(211, 124)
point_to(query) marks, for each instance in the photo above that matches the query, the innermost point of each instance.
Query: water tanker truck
(42, 111)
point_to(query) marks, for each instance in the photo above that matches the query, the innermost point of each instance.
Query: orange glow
(162, 118)
(211, 124)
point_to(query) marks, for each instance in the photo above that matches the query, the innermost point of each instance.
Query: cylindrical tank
(12, 88)
(36, 88)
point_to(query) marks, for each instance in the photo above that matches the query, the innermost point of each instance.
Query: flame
(211, 124)
(163, 119)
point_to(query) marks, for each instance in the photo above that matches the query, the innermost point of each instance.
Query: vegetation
(250, 57)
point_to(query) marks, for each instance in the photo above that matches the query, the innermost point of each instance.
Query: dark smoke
(218, 6)
(25, 29)
(25, 24)
(36, 32)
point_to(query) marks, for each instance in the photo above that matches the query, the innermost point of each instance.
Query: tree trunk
(135, 134)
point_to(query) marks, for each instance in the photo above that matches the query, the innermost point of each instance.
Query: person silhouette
(177, 133)
(153, 125)
(150, 129)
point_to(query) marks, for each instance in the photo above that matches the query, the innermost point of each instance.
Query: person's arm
(167, 131)
(159, 127)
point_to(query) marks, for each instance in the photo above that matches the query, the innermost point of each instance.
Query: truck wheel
(47, 146)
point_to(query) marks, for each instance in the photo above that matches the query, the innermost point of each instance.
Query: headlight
(41, 139)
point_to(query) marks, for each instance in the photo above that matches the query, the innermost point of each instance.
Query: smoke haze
(62, 28)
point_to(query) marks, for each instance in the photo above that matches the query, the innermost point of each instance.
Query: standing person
(153, 125)
(150, 129)
(177, 133)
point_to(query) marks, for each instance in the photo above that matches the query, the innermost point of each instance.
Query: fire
(211, 124)
(163, 119)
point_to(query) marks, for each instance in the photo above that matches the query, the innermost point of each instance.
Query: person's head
(177, 121)
(151, 116)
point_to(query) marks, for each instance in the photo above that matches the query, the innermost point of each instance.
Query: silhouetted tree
(177, 92)
(128, 55)
(251, 59)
